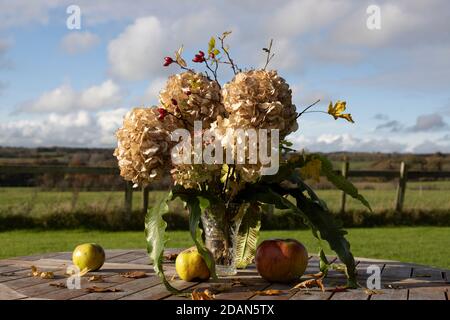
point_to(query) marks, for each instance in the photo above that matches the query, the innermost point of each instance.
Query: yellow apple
(88, 255)
(190, 265)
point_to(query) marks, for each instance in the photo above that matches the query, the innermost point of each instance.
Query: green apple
(88, 255)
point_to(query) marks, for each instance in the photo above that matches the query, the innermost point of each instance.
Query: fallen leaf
(44, 275)
(134, 274)
(96, 278)
(58, 285)
(372, 291)
(202, 295)
(337, 289)
(83, 272)
(317, 275)
(47, 275)
(171, 256)
(101, 290)
(310, 283)
(270, 292)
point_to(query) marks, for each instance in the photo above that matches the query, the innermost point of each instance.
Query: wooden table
(399, 281)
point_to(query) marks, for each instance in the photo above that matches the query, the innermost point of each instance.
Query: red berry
(198, 58)
(212, 55)
(162, 113)
(174, 102)
(201, 53)
(167, 61)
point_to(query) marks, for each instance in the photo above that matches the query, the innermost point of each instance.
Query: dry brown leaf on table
(269, 292)
(317, 275)
(202, 295)
(171, 256)
(372, 291)
(47, 275)
(100, 290)
(58, 285)
(238, 282)
(96, 278)
(134, 274)
(309, 284)
(44, 275)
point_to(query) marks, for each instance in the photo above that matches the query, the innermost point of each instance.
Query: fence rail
(403, 175)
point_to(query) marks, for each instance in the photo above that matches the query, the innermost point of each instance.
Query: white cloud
(65, 99)
(301, 17)
(138, 51)
(108, 122)
(79, 42)
(73, 129)
(346, 142)
(151, 95)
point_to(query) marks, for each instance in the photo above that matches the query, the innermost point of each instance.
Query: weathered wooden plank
(286, 295)
(126, 289)
(6, 293)
(391, 294)
(428, 293)
(428, 274)
(396, 270)
(311, 294)
(158, 292)
(354, 294)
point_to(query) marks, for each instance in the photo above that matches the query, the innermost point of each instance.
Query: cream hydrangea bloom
(260, 99)
(143, 146)
(192, 96)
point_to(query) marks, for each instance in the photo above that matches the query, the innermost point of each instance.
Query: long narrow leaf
(155, 234)
(247, 236)
(341, 183)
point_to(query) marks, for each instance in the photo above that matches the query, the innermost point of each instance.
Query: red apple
(281, 260)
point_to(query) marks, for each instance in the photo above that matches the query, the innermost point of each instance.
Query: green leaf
(211, 44)
(248, 235)
(340, 182)
(323, 262)
(196, 205)
(155, 234)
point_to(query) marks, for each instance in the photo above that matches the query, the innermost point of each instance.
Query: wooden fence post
(145, 191)
(401, 187)
(344, 171)
(128, 198)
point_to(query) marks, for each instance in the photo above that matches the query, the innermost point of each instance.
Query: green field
(423, 245)
(33, 201)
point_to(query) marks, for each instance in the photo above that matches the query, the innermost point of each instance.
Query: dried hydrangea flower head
(143, 148)
(260, 99)
(249, 168)
(192, 96)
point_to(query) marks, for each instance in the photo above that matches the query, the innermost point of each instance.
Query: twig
(269, 55)
(233, 66)
(308, 107)
(214, 72)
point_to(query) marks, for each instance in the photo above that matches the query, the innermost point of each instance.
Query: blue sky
(72, 87)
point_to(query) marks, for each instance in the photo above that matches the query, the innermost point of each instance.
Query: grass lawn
(422, 245)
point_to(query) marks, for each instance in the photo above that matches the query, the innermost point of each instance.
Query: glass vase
(221, 224)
